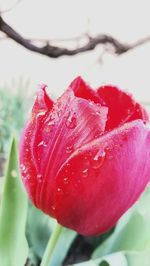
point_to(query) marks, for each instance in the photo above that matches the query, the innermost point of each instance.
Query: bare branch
(55, 51)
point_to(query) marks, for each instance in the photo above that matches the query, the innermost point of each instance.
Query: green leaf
(132, 231)
(38, 230)
(120, 259)
(138, 258)
(13, 212)
(116, 259)
(63, 244)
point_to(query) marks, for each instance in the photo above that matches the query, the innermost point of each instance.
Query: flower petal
(43, 101)
(122, 107)
(49, 139)
(101, 180)
(83, 90)
(28, 166)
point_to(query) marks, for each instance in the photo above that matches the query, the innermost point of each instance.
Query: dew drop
(59, 114)
(54, 115)
(23, 168)
(51, 123)
(91, 102)
(42, 143)
(59, 189)
(98, 113)
(27, 177)
(128, 112)
(85, 173)
(41, 113)
(67, 167)
(69, 149)
(53, 207)
(39, 178)
(14, 173)
(98, 160)
(71, 122)
(97, 134)
(65, 180)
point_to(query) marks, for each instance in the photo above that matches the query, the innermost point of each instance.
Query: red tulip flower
(85, 159)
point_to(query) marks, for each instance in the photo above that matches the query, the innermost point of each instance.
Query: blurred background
(70, 24)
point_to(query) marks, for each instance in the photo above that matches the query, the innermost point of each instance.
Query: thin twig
(55, 51)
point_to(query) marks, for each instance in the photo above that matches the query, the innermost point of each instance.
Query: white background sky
(127, 20)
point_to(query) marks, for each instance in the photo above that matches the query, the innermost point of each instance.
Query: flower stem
(51, 245)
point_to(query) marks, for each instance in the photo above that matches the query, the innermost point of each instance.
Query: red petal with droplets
(43, 101)
(28, 157)
(83, 90)
(77, 171)
(50, 138)
(103, 179)
(122, 107)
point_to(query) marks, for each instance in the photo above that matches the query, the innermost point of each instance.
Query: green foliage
(14, 104)
(62, 246)
(39, 228)
(116, 259)
(120, 259)
(13, 212)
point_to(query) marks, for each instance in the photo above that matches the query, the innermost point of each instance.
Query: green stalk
(51, 245)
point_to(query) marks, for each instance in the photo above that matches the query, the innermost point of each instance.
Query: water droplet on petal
(69, 149)
(98, 160)
(51, 123)
(67, 166)
(23, 168)
(71, 122)
(91, 102)
(65, 180)
(98, 133)
(98, 113)
(85, 172)
(39, 178)
(28, 177)
(59, 114)
(41, 113)
(53, 207)
(59, 189)
(42, 143)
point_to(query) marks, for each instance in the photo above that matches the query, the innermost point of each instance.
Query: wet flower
(84, 159)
